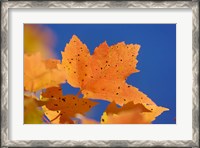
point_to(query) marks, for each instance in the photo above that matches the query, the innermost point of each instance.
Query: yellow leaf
(32, 115)
(38, 38)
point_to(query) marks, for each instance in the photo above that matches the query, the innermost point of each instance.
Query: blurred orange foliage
(37, 76)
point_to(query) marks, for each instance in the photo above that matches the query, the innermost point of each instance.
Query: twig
(78, 94)
(56, 117)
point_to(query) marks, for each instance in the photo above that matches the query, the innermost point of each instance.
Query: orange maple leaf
(112, 108)
(67, 106)
(38, 76)
(51, 63)
(131, 113)
(103, 74)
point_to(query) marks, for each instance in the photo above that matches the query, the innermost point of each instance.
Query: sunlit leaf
(103, 74)
(131, 114)
(37, 76)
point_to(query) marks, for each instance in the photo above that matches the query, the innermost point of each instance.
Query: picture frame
(7, 5)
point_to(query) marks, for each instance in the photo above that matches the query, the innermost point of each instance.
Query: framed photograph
(100, 73)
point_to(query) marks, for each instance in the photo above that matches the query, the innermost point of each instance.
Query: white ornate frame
(5, 5)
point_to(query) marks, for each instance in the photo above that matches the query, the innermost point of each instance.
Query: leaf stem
(78, 94)
(55, 117)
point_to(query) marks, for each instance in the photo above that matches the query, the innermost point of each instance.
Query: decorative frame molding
(5, 5)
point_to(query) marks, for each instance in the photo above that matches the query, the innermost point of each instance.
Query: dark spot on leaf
(78, 55)
(75, 104)
(55, 104)
(57, 111)
(102, 120)
(63, 99)
(124, 99)
(117, 93)
(74, 72)
(85, 65)
(106, 61)
(129, 86)
(119, 87)
(51, 96)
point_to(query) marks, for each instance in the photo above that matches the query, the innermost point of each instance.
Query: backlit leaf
(67, 106)
(37, 76)
(131, 113)
(103, 74)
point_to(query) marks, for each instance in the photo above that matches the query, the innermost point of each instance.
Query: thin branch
(78, 94)
(56, 117)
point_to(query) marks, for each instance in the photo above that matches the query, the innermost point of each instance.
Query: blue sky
(157, 58)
